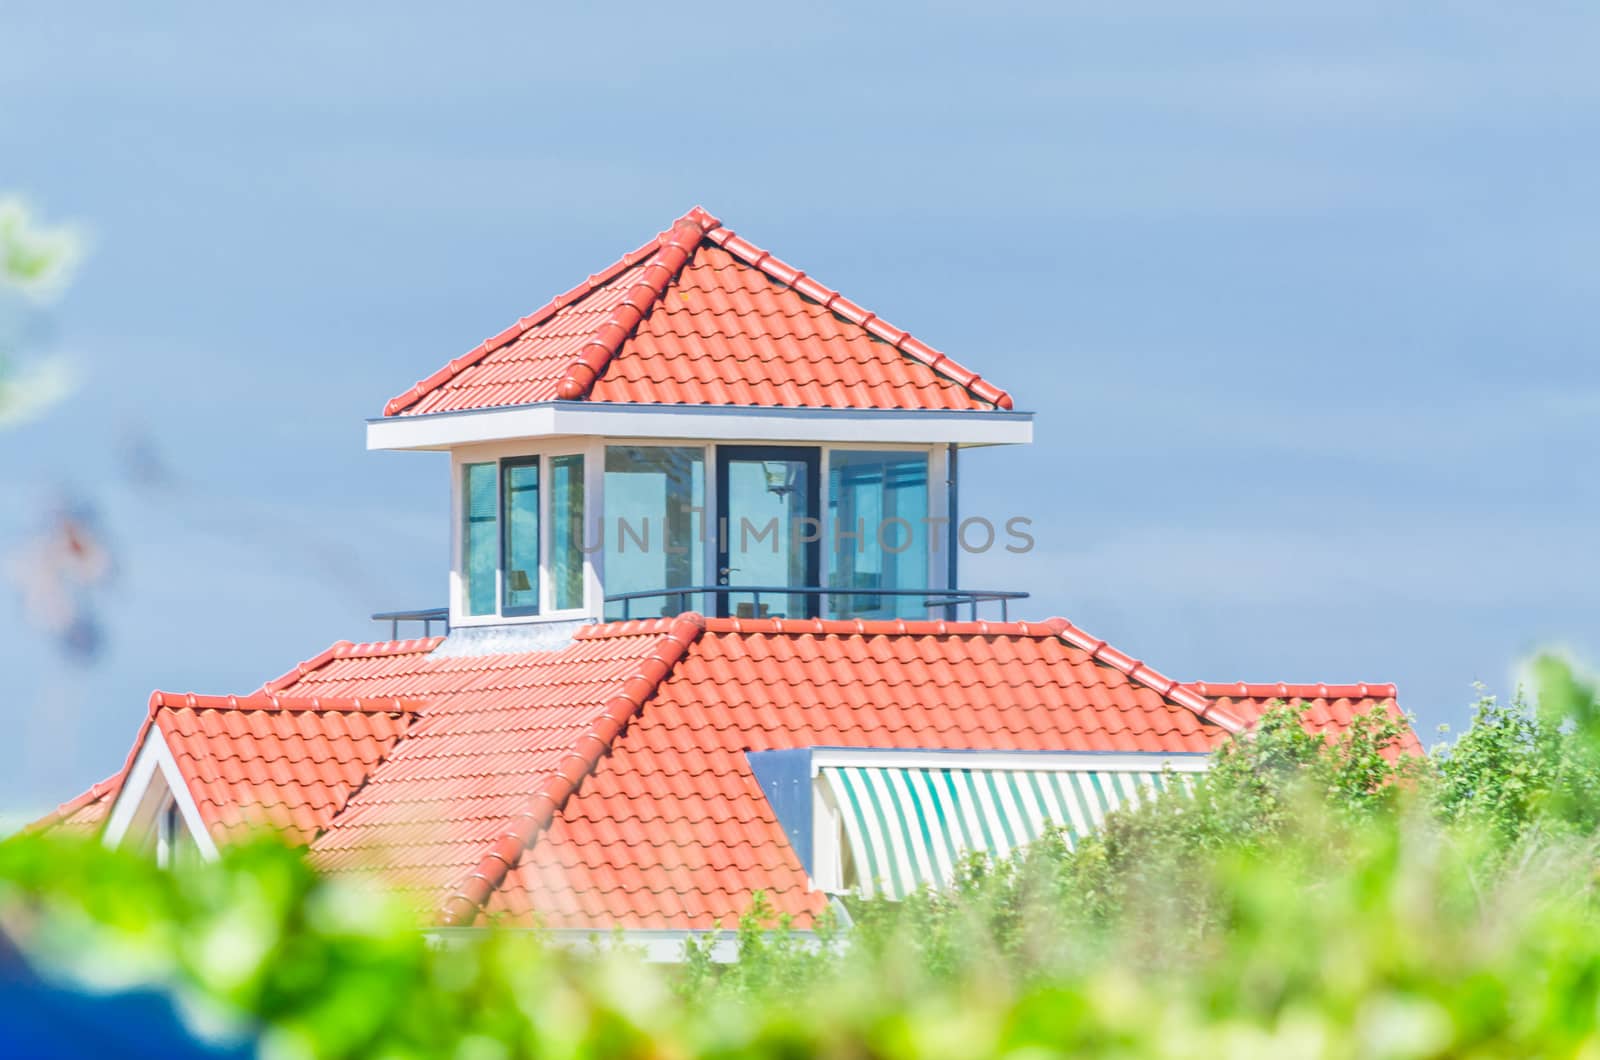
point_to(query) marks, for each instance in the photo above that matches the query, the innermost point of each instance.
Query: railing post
(952, 485)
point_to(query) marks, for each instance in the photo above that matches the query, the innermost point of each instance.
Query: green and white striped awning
(908, 826)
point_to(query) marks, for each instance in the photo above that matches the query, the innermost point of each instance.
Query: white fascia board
(446, 430)
(657, 946)
(1029, 761)
(156, 758)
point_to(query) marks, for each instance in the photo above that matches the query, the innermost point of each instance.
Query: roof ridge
(344, 649)
(1150, 677)
(885, 627)
(831, 300)
(270, 701)
(627, 627)
(1307, 689)
(677, 245)
(463, 904)
(422, 387)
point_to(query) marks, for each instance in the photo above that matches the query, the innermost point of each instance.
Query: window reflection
(878, 507)
(520, 508)
(654, 526)
(480, 537)
(566, 531)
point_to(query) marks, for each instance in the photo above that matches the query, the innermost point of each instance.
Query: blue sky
(1303, 300)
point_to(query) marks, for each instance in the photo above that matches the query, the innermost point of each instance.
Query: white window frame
(154, 783)
(708, 516)
(593, 450)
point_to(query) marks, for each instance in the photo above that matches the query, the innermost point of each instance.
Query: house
(705, 635)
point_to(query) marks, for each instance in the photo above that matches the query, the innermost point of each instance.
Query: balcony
(810, 601)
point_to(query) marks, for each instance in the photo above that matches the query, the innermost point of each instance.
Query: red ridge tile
(676, 247)
(462, 906)
(403, 401)
(268, 701)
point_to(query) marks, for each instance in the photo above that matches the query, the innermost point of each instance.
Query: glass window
(480, 537)
(654, 527)
(877, 510)
(520, 515)
(566, 531)
(768, 498)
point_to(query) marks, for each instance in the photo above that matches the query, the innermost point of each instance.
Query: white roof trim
(657, 945)
(155, 758)
(445, 430)
(1025, 761)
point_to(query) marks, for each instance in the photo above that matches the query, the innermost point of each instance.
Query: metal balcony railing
(745, 601)
(949, 601)
(427, 616)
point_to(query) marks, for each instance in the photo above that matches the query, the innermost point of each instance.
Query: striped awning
(909, 826)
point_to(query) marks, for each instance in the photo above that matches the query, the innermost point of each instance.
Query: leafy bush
(1306, 899)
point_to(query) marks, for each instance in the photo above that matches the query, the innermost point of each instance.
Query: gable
(284, 765)
(153, 808)
(235, 764)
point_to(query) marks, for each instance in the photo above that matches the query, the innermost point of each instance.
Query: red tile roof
(84, 814)
(498, 731)
(672, 830)
(702, 316)
(605, 783)
(1327, 708)
(287, 763)
(258, 761)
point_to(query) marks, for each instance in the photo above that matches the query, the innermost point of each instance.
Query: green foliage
(34, 258)
(1306, 898)
(1518, 769)
(35, 262)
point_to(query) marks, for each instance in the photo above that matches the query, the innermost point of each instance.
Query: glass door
(768, 530)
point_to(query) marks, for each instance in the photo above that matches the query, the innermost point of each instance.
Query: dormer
(701, 426)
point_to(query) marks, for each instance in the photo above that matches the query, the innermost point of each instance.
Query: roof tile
(701, 316)
(606, 783)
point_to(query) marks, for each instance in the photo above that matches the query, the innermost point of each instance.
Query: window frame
(707, 545)
(503, 457)
(503, 565)
(547, 526)
(936, 500)
(593, 449)
(462, 598)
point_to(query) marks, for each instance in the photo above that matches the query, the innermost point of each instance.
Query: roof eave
(552, 419)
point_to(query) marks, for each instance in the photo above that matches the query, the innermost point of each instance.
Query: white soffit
(445, 430)
(1022, 761)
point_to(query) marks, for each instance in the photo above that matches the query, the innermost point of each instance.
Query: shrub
(1307, 898)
